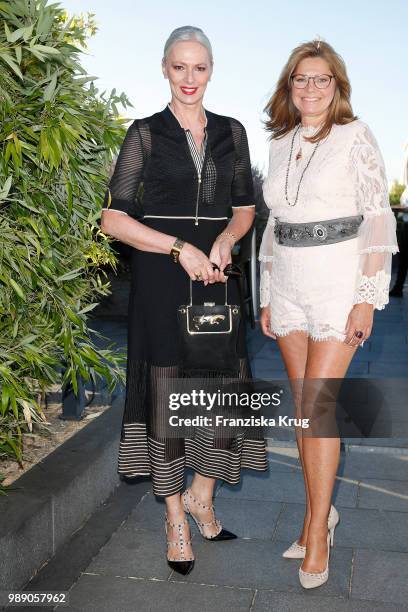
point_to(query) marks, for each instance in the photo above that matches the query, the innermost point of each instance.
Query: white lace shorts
(312, 289)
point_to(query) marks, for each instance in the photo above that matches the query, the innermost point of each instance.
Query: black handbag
(208, 336)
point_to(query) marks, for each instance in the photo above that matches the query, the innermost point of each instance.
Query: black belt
(317, 233)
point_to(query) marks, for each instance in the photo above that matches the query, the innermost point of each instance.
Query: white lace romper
(313, 288)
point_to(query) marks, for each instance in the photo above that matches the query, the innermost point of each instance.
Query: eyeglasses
(321, 81)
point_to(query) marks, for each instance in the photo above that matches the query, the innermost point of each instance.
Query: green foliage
(395, 193)
(58, 135)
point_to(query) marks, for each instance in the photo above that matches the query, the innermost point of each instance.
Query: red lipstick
(189, 91)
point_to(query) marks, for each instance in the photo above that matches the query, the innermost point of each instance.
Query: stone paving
(369, 561)
(368, 564)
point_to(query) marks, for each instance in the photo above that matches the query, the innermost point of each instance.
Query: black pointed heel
(223, 534)
(182, 566)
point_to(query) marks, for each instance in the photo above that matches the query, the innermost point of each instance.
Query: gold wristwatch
(176, 248)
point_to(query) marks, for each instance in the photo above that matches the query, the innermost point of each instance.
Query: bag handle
(230, 270)
(226, 293)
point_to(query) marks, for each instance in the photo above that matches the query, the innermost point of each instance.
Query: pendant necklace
(300, 152)
(298, 155)
(297, 159)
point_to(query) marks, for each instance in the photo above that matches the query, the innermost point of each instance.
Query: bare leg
(203, 488)
(293, 348)
(326, 360)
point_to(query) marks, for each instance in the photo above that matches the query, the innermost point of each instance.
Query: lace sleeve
(265, 258)
(377, 232)
(128, 173)
(242, 189)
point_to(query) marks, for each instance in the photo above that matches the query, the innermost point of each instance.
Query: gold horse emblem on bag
(210, 319)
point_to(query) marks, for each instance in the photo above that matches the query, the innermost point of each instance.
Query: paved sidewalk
(368, 564)
(369, 561)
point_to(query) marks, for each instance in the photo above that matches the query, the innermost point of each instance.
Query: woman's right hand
(196, 263)
(265, 321)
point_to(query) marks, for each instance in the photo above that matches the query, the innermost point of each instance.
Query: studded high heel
(183, 565)
(222, 534)
(311, 580)
(297, 551)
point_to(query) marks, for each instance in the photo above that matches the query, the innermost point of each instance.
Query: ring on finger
(198, 276)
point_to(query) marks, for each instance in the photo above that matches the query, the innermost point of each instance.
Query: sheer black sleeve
(242, 190)
(128, 174)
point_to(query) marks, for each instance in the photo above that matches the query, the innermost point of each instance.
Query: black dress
(157, 181)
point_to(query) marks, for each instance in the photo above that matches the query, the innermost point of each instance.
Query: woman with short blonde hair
(325, 263)
(197, 202)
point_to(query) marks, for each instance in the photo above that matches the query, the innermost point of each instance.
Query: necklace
(182, 122)
(189, 131)
(299, 155)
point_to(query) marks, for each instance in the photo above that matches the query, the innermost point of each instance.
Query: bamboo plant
(58, 135)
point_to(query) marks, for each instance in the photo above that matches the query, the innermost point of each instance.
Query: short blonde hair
(282, 113)
(187, 33)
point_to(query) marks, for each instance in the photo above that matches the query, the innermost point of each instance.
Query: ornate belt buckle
(319, 232)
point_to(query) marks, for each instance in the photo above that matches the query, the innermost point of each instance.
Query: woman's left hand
(221, 256)
(360, 319)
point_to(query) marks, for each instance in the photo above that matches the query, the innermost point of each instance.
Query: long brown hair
(282, 113)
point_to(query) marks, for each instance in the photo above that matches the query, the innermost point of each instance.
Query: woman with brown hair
(326, 188)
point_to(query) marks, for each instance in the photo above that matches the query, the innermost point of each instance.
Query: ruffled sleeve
(266, 249)
(377, 232)
(265, 258)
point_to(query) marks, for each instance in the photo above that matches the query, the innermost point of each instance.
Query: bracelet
(176, 248)
(229, 234)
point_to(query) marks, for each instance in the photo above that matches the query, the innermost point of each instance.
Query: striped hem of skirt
(140, 455)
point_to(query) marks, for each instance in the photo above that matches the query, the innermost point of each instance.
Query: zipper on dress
(198, 197)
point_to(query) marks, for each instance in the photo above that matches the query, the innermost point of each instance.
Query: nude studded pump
(311, 580)
(297, 551)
